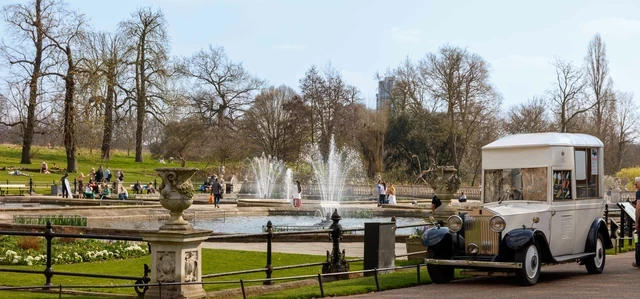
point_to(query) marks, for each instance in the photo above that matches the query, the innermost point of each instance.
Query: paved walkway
(567, 281)
(355, 249)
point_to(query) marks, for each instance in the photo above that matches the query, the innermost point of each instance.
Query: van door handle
(553, 213)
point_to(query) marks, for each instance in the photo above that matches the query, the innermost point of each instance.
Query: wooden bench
(5, 188)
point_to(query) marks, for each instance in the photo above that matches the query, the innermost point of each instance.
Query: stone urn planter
(415, 245)
(176, 195)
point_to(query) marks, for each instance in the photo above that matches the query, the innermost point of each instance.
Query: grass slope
(144, 172)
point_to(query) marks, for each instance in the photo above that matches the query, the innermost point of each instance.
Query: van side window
(586, 163)
(561, 185)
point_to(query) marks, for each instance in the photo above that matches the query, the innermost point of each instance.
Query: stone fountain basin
(263, 203)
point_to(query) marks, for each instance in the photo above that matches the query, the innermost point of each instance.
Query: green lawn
(214, 261)
(144, 172)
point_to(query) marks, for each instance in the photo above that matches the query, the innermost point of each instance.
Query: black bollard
(606, 214)
(338, 262)
(269, 268)
(48, 271)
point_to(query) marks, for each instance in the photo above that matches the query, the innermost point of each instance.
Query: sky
(279, 40)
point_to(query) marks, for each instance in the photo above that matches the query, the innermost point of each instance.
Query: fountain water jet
(267, 171)
(332, 174)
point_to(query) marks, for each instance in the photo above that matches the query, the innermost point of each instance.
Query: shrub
(29, 242)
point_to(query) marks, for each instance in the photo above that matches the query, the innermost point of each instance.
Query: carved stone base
(176, 257)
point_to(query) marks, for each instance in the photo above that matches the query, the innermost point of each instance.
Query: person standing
(297, 199)
(107, 175)
(99, 174)
(380, 192)
(637, 261)
(64, 182)
(216, 189)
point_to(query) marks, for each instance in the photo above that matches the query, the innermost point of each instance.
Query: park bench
(5, 188)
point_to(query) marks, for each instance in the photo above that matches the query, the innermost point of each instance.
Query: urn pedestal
(176, 257)
(176, 253)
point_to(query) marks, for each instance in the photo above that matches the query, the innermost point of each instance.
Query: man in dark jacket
(216, 189)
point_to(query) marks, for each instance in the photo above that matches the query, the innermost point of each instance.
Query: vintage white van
(542, 204)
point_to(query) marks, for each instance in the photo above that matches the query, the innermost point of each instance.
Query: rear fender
(598, 226)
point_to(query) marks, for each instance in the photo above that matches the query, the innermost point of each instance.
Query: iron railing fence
(320, 278)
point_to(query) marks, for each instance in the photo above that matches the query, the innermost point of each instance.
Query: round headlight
(454, 223)
(497, 224)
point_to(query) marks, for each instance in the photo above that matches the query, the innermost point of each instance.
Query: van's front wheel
(530, 258)
(437, 273)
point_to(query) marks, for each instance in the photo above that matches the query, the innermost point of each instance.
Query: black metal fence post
(606, 214)
(336, 236)
(48, 271)
(269, 267)
(623, 225)
(30, 186)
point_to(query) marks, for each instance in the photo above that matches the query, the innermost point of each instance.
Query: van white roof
(545, 139)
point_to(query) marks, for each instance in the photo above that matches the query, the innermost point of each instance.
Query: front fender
(598, 226)
(519, 239)
(433, 236)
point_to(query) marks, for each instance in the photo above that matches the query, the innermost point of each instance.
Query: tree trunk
(108, 113)
(69, 115)
(141, 98)
(27, 138)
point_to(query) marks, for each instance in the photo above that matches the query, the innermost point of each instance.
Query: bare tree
(146, 34)
(104, 65)
(459, 85)
(626, 127)
(330, 99)
(598, 80)
(529, 117)
(226, 88)
(567, 98)
(274, 124)
(374, 126)
(29, 57)
(65, 39)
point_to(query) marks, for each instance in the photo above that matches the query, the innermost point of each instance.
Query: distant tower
(383, 98)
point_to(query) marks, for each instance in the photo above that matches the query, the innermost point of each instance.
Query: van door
(561, 237)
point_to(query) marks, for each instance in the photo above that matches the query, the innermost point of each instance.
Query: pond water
(254, 224)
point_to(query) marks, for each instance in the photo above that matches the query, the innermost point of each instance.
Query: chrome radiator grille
(477, 231)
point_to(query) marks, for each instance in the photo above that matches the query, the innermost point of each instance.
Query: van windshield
(515, 184)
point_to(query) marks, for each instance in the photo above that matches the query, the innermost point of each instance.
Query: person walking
(217, 195)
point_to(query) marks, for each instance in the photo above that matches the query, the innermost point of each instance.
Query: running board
(569, 257)
(473, 264)
(486, 273)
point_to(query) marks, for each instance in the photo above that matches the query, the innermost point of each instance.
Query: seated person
(463, 198)
(94, 186)
(123, 195)
(435, 203)
(137, 188)
(88, 192)
(150, 189)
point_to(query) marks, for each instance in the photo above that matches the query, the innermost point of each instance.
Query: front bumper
(473, 264)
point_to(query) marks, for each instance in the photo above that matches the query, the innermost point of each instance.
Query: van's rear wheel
(595, 265)
(439, 274)
(530, 258)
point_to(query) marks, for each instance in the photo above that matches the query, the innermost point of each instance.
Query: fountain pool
(254, 224)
